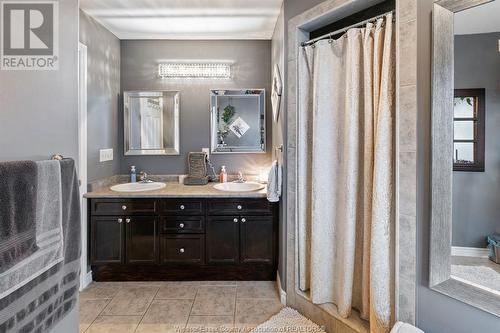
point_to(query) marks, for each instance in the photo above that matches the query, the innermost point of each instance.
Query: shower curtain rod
(331, 34)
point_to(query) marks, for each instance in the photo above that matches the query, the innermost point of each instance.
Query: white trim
(86, 280)
(280, 290)
(82, 156)
(458, 251)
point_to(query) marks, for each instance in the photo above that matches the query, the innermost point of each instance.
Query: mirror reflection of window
(468, 134)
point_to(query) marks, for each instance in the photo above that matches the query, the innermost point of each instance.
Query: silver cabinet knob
(235, 220)
(243, 220)
(124, 207)
(127, 220)
(239, 207)
(120, 220)
(182, 250)
(181, 225)
(182, 207)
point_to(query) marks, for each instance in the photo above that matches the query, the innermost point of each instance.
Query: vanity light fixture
(195, 70)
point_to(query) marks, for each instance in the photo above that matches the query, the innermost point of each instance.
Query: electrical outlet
(105, 155)
(206, 150)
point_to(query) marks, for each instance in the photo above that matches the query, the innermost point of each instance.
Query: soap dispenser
(223, 175)
(133, 174)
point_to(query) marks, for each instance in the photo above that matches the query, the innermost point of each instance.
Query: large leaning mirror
(238, 121)
(151, 122)
(465, 226)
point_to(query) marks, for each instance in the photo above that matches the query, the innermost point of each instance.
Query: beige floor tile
(201, 324)
(159, 328)
(131, 301)
(100, 290)
(257, 289)
(177, 290)
(255, 311)
(89, 310)
(214, 300)
(168, 311)
(114, 324)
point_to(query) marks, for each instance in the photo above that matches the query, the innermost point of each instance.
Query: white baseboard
(280, 290)
(459, 251)
(86, 280)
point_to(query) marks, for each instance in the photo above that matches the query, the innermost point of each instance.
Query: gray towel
(41, 303)
(49, 237)
(18, 188)
(71, 208)
(197, 162)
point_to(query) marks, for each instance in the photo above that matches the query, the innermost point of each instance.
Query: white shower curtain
(346, 172)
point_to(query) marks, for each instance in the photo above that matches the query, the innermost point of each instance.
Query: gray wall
(139, 71)
(278, 55)
(436, 313)
(103, 92)
(39, 110)
(476, 195)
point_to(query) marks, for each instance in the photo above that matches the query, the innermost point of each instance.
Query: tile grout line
(142, 317)
(100, 312)
(192, 305)
(235, 303)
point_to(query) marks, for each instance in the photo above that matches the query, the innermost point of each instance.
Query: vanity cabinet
(183, 239)
(107, 239)
(223, 240)
(141, 243)
(124, 239)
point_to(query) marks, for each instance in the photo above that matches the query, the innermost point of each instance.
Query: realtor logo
(29, 35)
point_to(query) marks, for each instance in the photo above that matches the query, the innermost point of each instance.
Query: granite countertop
(172, 190)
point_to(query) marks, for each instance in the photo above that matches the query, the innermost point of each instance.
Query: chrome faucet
(143, 177)
(240, 178)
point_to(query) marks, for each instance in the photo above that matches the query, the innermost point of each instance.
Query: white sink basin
(138, 187)
(239, 187)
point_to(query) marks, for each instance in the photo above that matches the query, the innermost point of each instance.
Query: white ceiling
(186, 19)
(478, 20)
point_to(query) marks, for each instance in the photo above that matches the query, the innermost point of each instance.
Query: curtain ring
(330, 39)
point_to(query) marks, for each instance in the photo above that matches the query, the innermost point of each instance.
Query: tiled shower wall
(405, 247)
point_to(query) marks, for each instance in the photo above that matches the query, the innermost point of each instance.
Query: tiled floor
(185, 307)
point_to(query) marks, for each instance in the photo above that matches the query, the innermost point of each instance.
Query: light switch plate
(105, 155)
(206, 150)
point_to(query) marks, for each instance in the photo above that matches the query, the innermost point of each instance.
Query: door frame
(85, 273)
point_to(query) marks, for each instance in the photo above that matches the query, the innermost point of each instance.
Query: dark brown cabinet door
(256, 239)
(222, 239)
(107, 239)
(142, 240)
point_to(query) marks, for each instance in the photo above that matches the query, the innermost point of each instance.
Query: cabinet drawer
(183, 224)
(238, 207)
(183, 207)
(124, 207)
(189, 249)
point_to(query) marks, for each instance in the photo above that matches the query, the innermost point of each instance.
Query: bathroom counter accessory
(175, 190)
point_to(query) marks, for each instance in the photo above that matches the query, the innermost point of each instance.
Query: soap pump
(223, 175)
(133, 174)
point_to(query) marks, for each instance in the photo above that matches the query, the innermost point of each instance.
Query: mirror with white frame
(465, 226)
(238, 121)
(151, 122)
